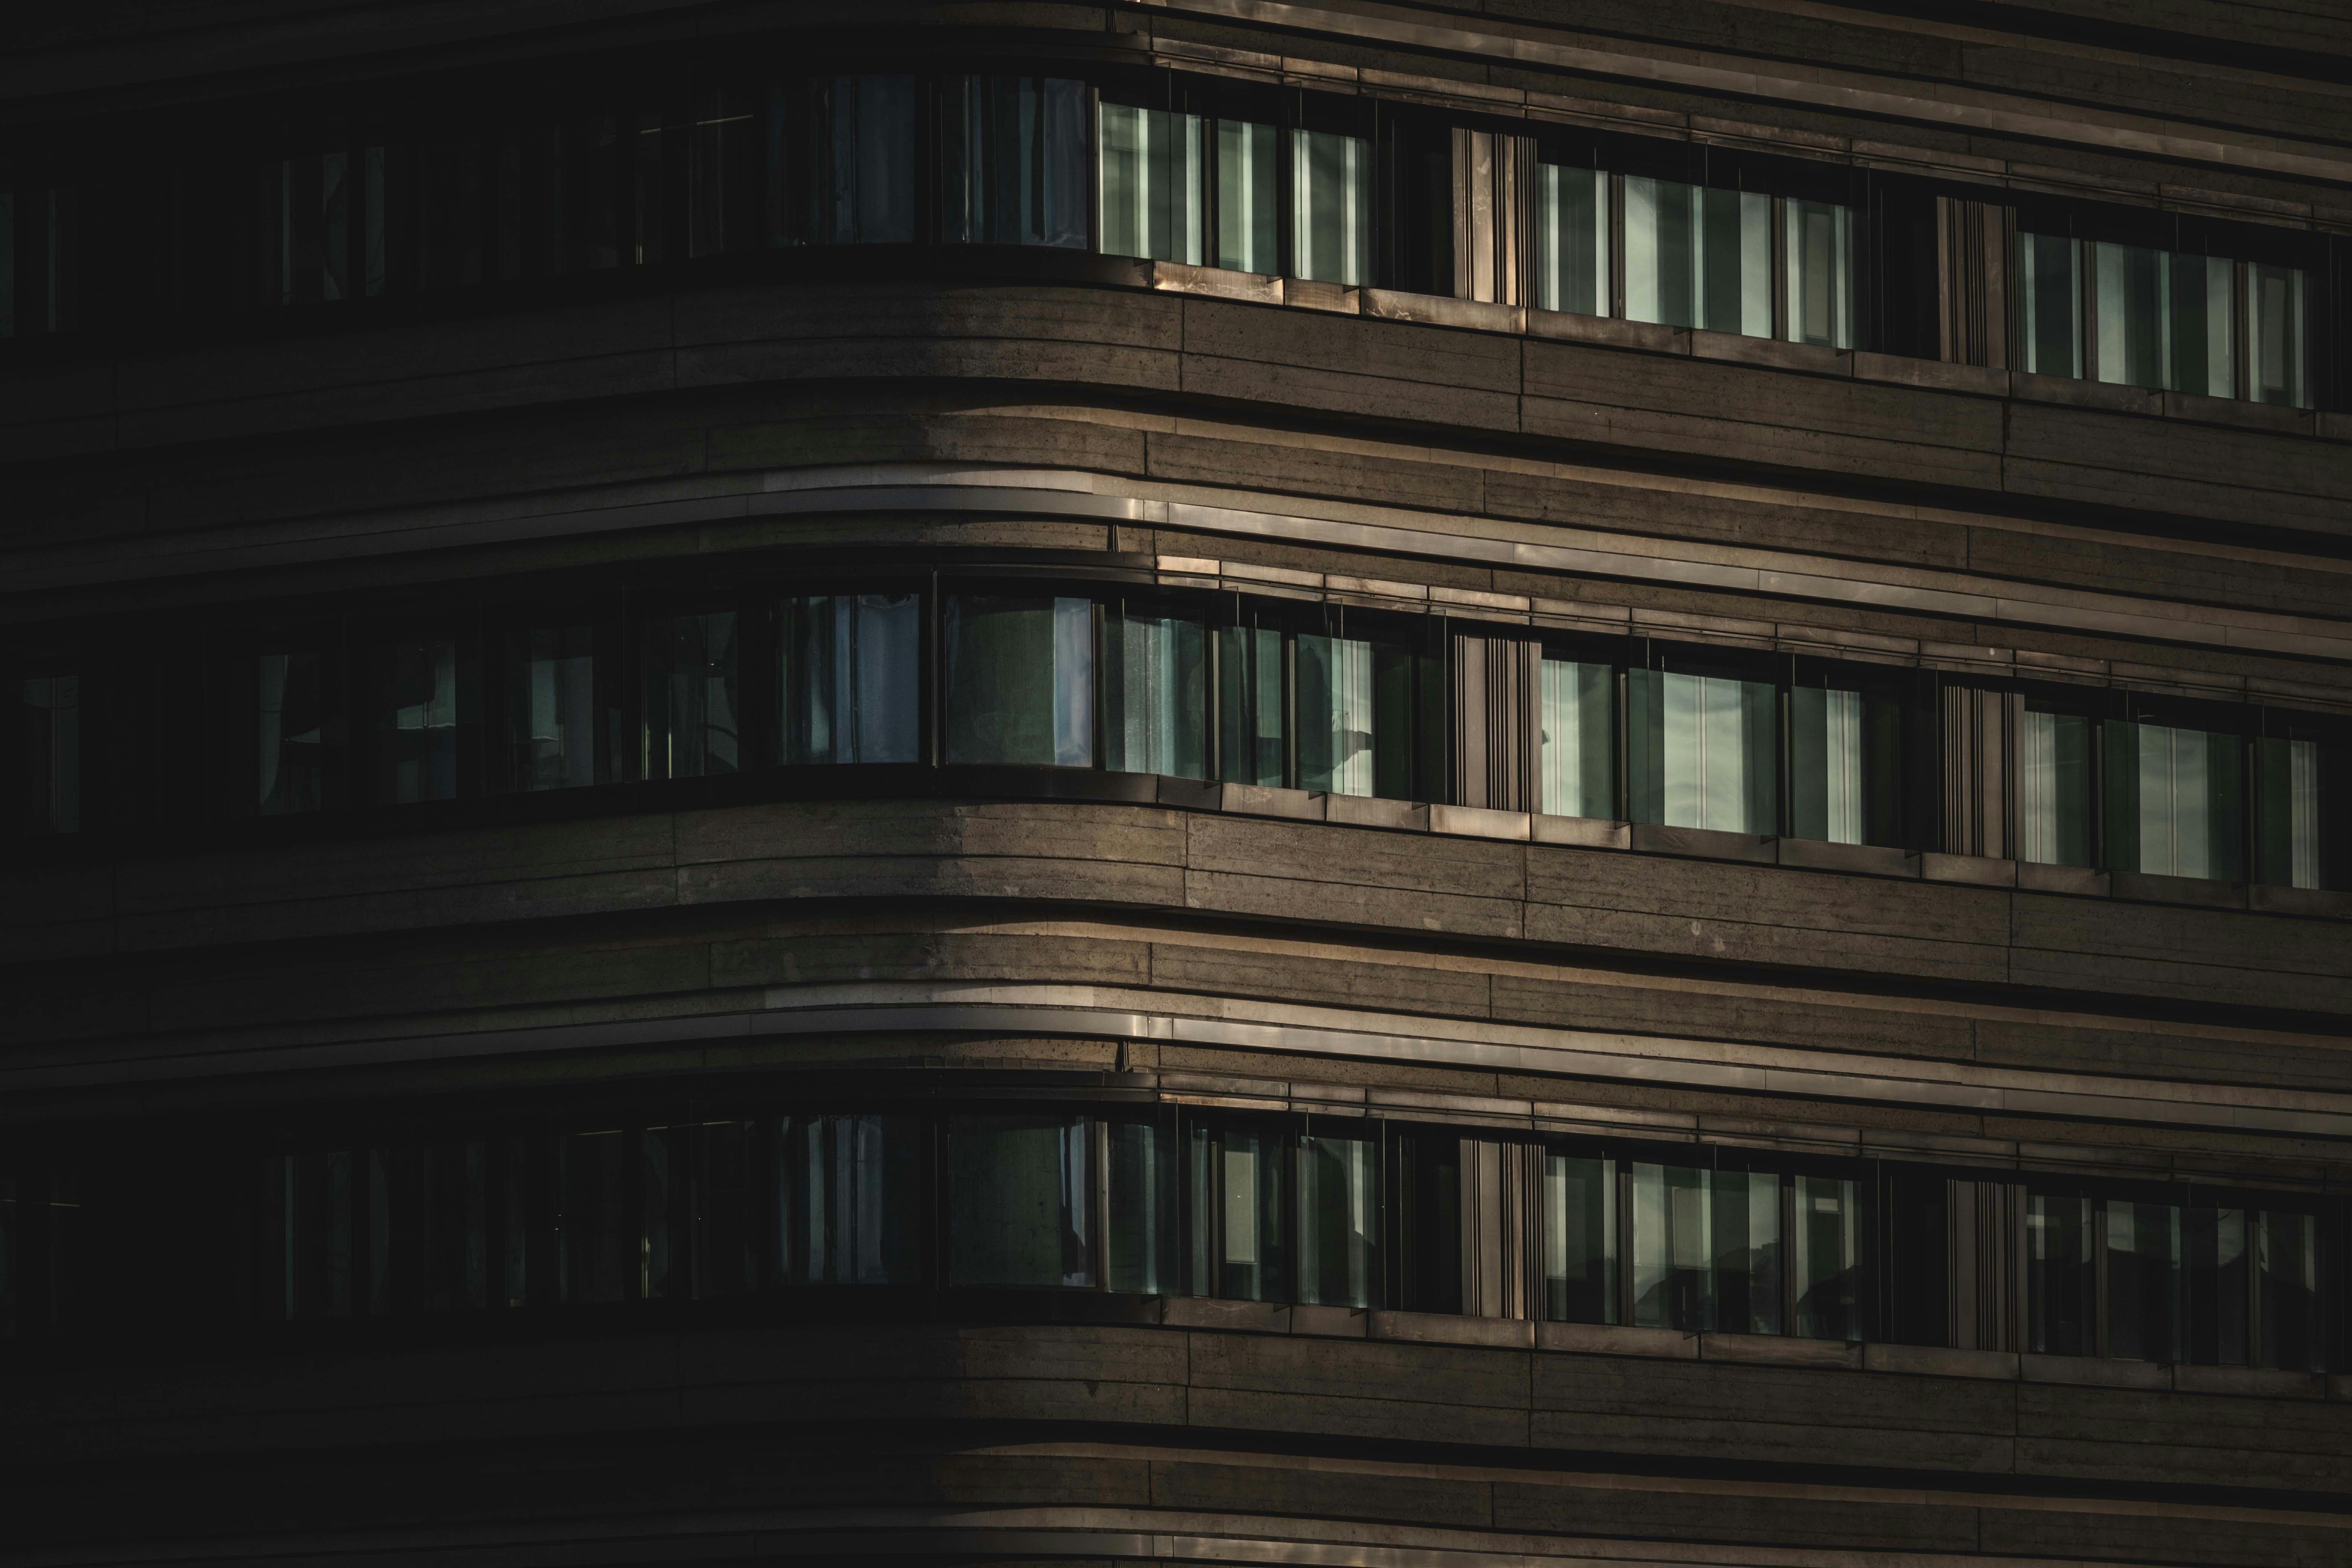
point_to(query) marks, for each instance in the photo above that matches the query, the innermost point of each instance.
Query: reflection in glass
(1844, 764)
(417, 723)
(2144, 1278)
(1155, 694)
(1142, 1232)
(851, 677)
(1016, 155)
(1335, 714)
(1250, 710)
(1339, 1220)
(1826, 1261)
(2061, 1287)
(550, 702)
(1151, 168)
(1578, 761)
(1580, 1239)
(2220, 1285)
(859, 181)
(1020, 680)
(50, 721)
(1019, 1208)
(2175, 800)
(847, 1196)
(1573, 241)
(1746, 1226)
(2286, 1284)
(2048, 301)
(2163, 318)
(2288, 779)
(1248, 230)
(2054, 788)
(1239, 1229)
(292, 732)
(1332, 176)
(1698, 258)
(690, 694)
(2275, 335)
(1707, 1249)
(1703, 750)
(1821, 274)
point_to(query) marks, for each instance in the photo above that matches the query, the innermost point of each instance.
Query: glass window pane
(1143, 1200)
(1579, 753)
(1673, 1250)
(1705, 751)
(1571, 241)
(1580, 1239)
(1020, 680)
(726, 1258)
(51, 725)
(454, 1204)
(2175, 799)
(851, 677)
(1248, 1227)
(1152, 170)
(859, 187)
(2220, 1285)
(1335, 714)
(1019, 1190)
(1745, 1237)
(292, 729)
(2288, 770)
(2196, 325)
(2054, 788)
(1698, 258)
(1821, 274)
(2059, 1292)
(417, 720)
(2129, 283)
(690, 693)
(1339, 1220)
(1248, 231)
(2051, 330)
(2286, 1283)
(1333, 224)
(847, 1198)
(551, 707)
(2275, 335)
(717, 172)
(449, 210)
(1155, 694)
(2144, 1280)
(1828, 1258)
(313, 1231)
(1017, 151)
(1252, 743)
(1429, 1230)
(596, 1257)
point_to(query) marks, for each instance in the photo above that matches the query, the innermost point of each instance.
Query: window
(851, 677)
(1580, 1239)
(598, 1256)
(1015, 149)
(2176, 801)
(1698, 258)
(1356, 700)
(1820, 271)
(846, 1195)
(1331, 175)
(1142, 1222)
(32, 262)
(720, 176)
(1339, 1218)
(2061, 1288)
(1703, 750)
(1571, 240)
(1155, 692)
(416, 719)
(1249, 236)
(2297, 764)
(290, 708)
(1825, 1262)
(1151, 163)
(1253, 708)
(1239, 1211)
(1578, 739)
(1020, 680)
(49, 719)
(689, 728)
(2048, 303)
(1846, 762)
(2275, 335)
(1705, 1249)
(2163, 318)
(1019, 1196)
(325, 224)
(551, 706)
(2054, 786)
(858, 166)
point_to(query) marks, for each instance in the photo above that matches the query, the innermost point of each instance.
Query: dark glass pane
(2052, 331)
(860, 181)
(727, 1256)
(50, 723)
(1703, 750)
(1020, 680)
(1745, 1249)
(1250, 713)
(589, 179)
(2175, 800)
(1826, 1258)
(2220, 1285)
(647, 151)
(1580, 1239)
(1155, 694)
(1845, 755)
(852, 678)
(1249, 236)
(1143, 1208)
(597, 1253)
(1672, 1246)
(290, 709)
(1019, 1200)
(2054, 788)
(1571, 240)
(2293, 775)
(417, 720)
(318, 1231)
(1240, 1220)
(847, 1199)
(2129, 283)
(455, 1204)
(551, 708)
(449, 213)
(1339, 1220)
(1153, 162)
(2059, 1292)
(2144, 1280)
(660, 1171)
(719, 172)
(1016, 161)
(689, 675)
(1429, 1228)
(2286, 1283)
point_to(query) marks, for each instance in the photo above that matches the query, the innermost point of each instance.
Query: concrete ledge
(2077, 879)
(1333, 1323)
(1876, 860)
(1258, 800)
(2101, 1371)
(2196, 890)
(2246, 415)
(1175, 277)
(1233, 1317)
(1936, 1361)
(1702, 843)
(2261, 1381)
(1584, 832)
(1616, 1339)
(1366, 811)
(1975, 870)
(1736, 348)
(1778, 1350)
(2066, 391)
(2326, 903)
(1442, 311)
(1608, 329)
(1478, 822)
(1444, 1328)
(1934, 375)
(1335, 297)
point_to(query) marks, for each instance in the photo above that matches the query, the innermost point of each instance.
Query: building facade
(1199, 782)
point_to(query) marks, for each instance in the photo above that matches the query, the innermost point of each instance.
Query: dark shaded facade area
(1199, 782)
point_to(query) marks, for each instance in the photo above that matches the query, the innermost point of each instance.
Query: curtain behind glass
(1580, 1239)
(1573, 241)
(1019, 1200)
(856, 160)
(1155, 694)
(1704, 752)
(1332, 179)
(290, 701)
(2287, 772)
(1845, 765)
(1251, 715)
(2275, 335)
(1698, 258)
(690, 688)
(1820, 274)
(2047, 305)
(848, 1200)
(1020, 680)
(2175, 802)
(1339, 1220)
(417, 720)
(1335, 714)
(1142, 1238)
(1249, 227)
(551, 717)
(1016, 161)
(1151, 167)
(2054, 788)
(1580, 761)
(850, 678)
